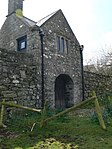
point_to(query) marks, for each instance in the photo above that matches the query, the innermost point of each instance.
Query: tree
(104, 64)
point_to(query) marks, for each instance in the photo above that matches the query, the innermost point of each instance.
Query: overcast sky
(90, 20)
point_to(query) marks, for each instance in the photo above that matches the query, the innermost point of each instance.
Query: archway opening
(64, 91)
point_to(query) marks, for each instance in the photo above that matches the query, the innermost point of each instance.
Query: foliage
(106, 102)
(62, 132)
(51, 143)
(50, 112)
(74, 130)
(103, 65)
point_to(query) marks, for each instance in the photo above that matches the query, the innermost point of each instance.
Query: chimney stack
(14, 5)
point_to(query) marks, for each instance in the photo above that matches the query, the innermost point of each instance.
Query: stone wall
(56, 63)
(21, 74)
(101, 84)
(18, 73)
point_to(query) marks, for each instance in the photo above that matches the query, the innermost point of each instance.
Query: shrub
(51, 143)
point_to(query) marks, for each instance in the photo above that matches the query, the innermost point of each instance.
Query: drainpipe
(82, 70)
(41, 33)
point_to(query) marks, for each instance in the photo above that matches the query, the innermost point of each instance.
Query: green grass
(77, 130)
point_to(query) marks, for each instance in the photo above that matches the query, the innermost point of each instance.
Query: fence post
(99, 113)
(43, 114)
(2, 114)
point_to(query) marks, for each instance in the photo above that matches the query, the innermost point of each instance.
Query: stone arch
(64, 91)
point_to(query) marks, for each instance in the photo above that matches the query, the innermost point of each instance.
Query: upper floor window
(62, 44)
(22, 43)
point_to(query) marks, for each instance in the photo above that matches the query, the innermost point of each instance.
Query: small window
(21, 43)
(62, 44)
(66, 45)
(58, 43)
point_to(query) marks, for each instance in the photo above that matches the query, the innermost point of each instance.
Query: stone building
(62, 55)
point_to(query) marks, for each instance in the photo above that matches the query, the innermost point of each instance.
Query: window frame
(62, 44)
(20, 41)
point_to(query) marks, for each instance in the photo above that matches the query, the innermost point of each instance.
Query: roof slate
(43, 20)
(28, 21)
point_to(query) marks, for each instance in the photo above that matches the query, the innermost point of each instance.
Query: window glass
(58, 43)
(62, 45)
(22, 43)
(66, 46)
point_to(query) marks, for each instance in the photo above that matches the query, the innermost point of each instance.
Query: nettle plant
(51, 143)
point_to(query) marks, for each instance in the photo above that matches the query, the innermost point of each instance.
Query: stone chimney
(15, 5)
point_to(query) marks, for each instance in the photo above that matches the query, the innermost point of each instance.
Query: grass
(77, 130)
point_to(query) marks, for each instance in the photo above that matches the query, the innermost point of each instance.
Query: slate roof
(43, 20)
(28, 21)
(32, 23)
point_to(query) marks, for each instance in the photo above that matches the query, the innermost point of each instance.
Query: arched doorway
(64, 91)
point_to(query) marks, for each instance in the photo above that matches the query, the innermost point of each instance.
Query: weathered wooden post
(19, 106)
(98, 111)
(2, 114)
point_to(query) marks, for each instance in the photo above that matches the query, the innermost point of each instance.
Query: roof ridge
(30, 19)
(48, 16)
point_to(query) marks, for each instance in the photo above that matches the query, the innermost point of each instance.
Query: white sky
(90, 20)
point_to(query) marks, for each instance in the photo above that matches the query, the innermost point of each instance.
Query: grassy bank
(76, 130)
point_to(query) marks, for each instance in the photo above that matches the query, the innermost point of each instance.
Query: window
(22, 43)
(66, 45)
(62, 44)
(58, 43)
